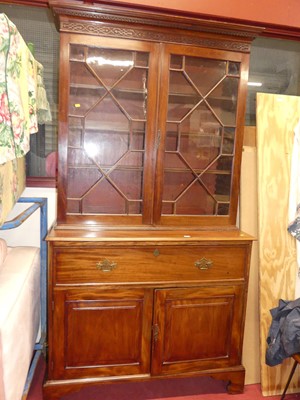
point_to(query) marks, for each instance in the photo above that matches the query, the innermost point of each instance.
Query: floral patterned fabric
(12, 185)
(23, 104)
(20, 80)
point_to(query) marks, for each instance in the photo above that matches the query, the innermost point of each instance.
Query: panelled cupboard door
(196, 329)
(150, 133)
(100, 333)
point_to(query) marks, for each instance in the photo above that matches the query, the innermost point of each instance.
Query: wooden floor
(173, 389)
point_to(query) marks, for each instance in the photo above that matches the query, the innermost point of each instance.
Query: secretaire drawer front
(148, 264)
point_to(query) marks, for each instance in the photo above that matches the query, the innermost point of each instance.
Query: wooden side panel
(277, 117)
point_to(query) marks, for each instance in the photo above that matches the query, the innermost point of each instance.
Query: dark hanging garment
(284, 333)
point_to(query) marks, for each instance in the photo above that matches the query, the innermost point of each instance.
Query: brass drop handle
(203, 263)
(106, 265)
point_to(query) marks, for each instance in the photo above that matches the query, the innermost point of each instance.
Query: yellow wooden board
(277, 116)
(249, 136)
(248, 223)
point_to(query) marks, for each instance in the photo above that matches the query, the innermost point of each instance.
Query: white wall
(28, 234)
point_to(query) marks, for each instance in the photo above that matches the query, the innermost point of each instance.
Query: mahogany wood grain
(102, 333)
(77, 265)
(189, 323)
(157, 236)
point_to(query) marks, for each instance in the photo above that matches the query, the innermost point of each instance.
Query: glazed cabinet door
(150, 133)
(200, 123)
(98, 333)
(197, 329)
(106, 134)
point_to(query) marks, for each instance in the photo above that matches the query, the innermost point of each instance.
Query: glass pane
(228, 141)
(223, 101)
(178, 177)
(74, 206)
(82, 189)
(81, 180)
(107, 122)
(134, 207)
(75, 132)
(107, 116)
(85, 90)
(233, 68)
(176, 62)
(112, 203)
(109, 65)
(172, 137)
(220, 170)
(205, 73)
(137, 140)
(200, 136)
(77, 53)
(83, 100)
(274, 68)
(182, 96)
(141, 59)
(131, 93)
(134, 159)
(111, 148)
(223, 209)
(78, 157)
(129, 182)
(167, 208)
(195, 201)
(81, 76)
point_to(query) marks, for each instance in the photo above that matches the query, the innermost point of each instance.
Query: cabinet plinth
(146, 264)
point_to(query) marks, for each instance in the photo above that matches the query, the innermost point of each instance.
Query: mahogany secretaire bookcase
(148, 271)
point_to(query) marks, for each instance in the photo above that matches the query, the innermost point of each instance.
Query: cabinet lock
(156, 253)
(155, 330)
(203, 263)
(106, 265)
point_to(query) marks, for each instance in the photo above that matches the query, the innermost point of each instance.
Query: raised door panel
(100, 333)
(197, 329)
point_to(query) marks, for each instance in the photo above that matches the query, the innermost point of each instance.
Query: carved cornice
(201, 26)
(135, 22)
(86, 27)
